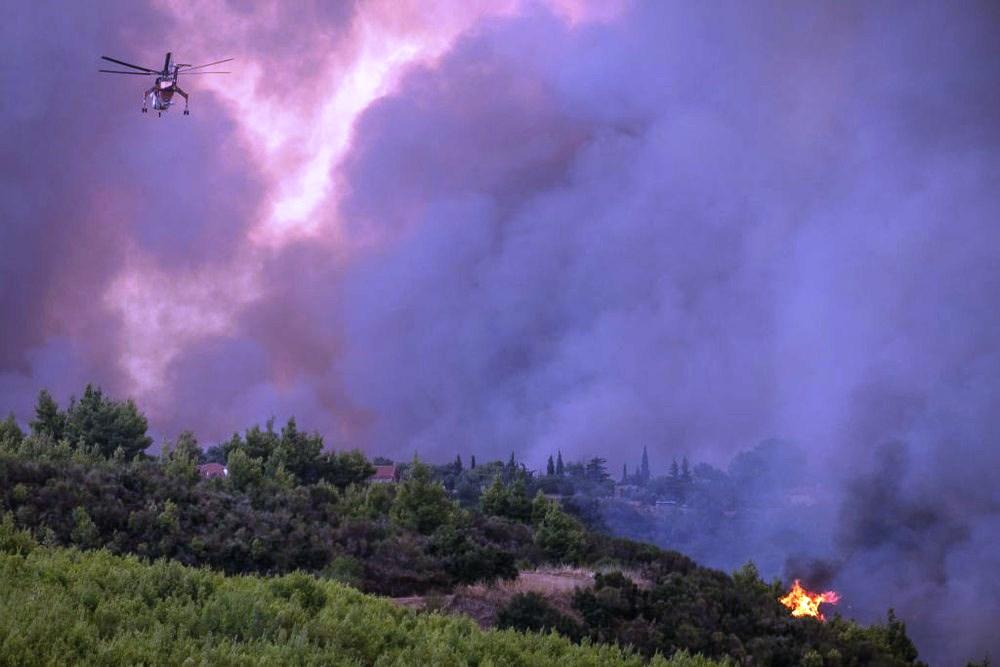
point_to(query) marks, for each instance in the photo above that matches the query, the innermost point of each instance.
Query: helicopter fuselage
(163, 93)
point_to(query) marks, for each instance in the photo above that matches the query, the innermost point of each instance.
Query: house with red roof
(213, 470)
(385, 475)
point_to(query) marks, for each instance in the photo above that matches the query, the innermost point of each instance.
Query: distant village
(681, 488)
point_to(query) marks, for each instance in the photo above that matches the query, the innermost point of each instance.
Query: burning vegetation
(805, 603)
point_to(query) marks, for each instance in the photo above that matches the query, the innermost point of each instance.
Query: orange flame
(804, 603)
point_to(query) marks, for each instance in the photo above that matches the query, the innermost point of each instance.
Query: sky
(567, 226)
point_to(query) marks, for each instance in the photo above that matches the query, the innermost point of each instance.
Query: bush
(60, 606)
(346, 570)
(14, 541)
(531, 612)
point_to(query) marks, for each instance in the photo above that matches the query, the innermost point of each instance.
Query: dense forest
(79, 478)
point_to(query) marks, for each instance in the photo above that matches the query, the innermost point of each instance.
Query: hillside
(475, 540)
(63, 606)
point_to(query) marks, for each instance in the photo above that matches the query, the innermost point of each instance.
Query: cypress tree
(550, 468)
(644, 467)
(559, 465)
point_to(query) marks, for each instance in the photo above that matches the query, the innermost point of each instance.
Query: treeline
(288, 505)
(706, 611)
(394, 541)
(67, 607)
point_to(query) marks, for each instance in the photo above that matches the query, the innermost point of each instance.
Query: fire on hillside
(805, 603)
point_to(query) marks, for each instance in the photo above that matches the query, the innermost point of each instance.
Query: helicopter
(165, 86)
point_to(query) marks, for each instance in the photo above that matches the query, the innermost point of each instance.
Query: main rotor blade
(217, 62)
(118, 71)
(122, 62)
(189, 73)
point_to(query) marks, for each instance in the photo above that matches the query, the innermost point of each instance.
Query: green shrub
(531, 612)
(12, 540)
(63, 606)
(346, 570)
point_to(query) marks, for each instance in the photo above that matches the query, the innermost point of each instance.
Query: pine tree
(243, 471)
(11, 434)
(539, 506)
(550, 467)
(495, 499)
(299, 451)
(644, 467)
(685, 470)
(182, 459)
(559, 465)
(595, 470)
(48, 419)
(559, 535)
(97, 422)
(421, 504)
(518, 503)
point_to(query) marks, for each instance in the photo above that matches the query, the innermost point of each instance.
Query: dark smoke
(693, 229)
(817, 574)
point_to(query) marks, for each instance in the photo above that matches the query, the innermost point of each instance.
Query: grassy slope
(62, 606)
